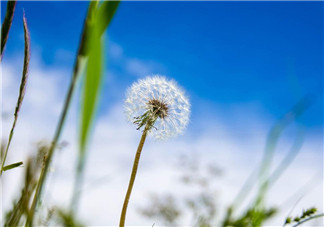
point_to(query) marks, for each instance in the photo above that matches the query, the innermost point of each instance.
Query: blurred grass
(273, 137)
(89, 100)
(91, 85)
(20, 208)
(11, 166)
(267, 179)
(99, 19)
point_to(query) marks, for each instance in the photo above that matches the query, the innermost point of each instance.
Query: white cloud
(113, 148)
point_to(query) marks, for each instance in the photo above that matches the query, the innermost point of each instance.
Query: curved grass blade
(22, 88)
(5, 28)
(91, 85)
(106, 12)
(271, 145)
(90, 94)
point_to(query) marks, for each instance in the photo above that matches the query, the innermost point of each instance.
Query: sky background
(243, 65)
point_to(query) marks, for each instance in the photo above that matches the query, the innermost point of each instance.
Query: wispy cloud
(132, 65)
(141, 68)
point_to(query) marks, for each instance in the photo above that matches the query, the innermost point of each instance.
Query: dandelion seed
(158, 101)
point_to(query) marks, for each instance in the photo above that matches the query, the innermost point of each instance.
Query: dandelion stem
(134, 171)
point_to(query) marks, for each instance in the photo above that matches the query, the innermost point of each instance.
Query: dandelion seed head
(160, 100)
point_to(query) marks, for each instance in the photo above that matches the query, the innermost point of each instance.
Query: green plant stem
(132, 178)
(308, 219)
(8, 144)
(57, 134)
(11, 166)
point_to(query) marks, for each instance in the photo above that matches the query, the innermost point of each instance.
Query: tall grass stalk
(81, 55)
(6, 25)
(100, 19)
(133, 175)
(90, 92)
(22, 89)
(58, 131)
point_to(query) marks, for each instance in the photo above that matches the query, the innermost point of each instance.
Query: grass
(22, 88)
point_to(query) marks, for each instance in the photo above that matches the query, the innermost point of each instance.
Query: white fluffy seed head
(164, 100)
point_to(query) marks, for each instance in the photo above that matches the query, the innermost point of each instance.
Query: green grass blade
(91, 86)
(93, 78)
(106, 12)
(11, 166)
(99, 19)
(5, 28)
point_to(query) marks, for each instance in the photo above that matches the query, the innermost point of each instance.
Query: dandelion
(160, 107)
(159, 102)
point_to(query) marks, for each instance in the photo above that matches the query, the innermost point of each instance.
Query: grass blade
(90, 94)
(22, 88)
(11, 166)
(11, 5)
(91, 86)
(271, 145)
(106, 12)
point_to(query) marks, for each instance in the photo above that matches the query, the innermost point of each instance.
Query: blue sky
(224, 53)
